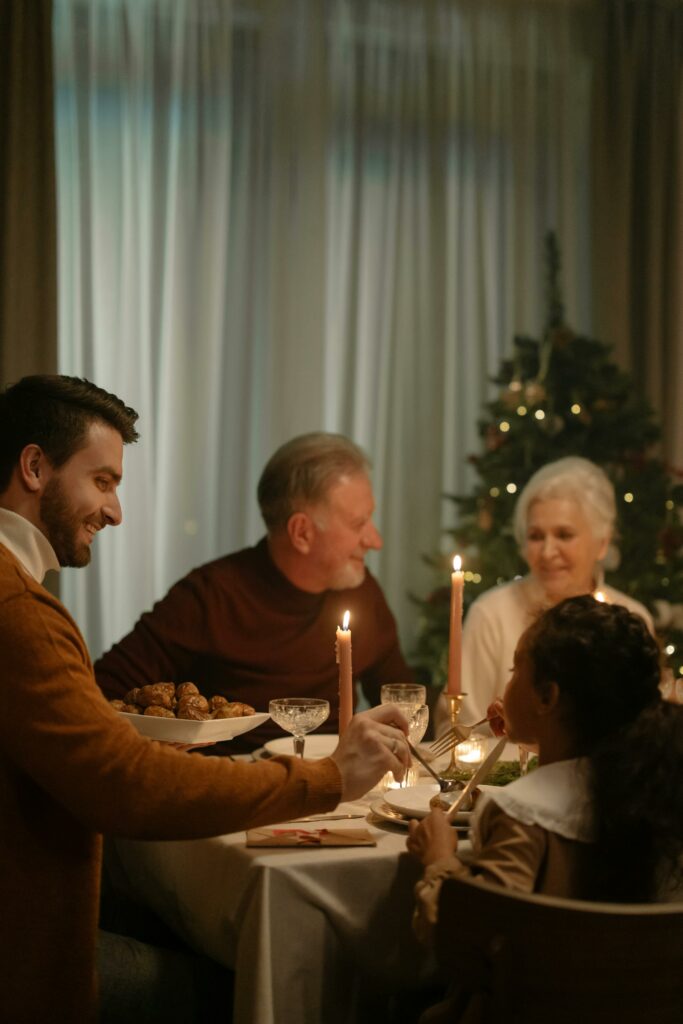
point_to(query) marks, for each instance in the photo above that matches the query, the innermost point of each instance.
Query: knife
(326, 817)
(481, 772)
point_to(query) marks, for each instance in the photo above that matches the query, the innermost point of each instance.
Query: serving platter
(184, 730)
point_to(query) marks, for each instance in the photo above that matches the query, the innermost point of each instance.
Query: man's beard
(62, 527)
(348, 578)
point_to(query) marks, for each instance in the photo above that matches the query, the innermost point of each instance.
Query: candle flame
(345, 620)
(599, 596)
(457, 563)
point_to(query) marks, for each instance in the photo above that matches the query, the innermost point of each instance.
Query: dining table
(312, 933)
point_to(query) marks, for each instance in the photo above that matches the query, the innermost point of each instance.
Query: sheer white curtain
(279, 217)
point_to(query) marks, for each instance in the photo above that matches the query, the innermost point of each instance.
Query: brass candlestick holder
(454, 705)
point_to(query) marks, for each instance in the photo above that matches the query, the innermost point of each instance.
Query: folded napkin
(310, 837)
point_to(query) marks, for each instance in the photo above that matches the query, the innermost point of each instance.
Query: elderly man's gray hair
(302, 471)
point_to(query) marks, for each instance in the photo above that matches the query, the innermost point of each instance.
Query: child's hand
(494, 713)
(432, 838)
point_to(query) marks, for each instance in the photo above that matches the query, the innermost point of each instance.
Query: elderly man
(260, 623)
(70, 767)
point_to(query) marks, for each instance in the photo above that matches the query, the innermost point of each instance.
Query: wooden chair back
(542, 960)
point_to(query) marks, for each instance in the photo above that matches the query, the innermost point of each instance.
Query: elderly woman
(564, 521)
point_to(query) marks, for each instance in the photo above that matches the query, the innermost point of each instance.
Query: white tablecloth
(309, 931)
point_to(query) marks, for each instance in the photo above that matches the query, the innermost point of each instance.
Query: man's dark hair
(56, 412)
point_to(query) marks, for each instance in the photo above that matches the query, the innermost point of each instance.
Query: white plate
(315, 747)
(382, 810)
(185, 730)
(413, 801)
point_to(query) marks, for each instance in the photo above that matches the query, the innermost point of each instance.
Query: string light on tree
(628, 497)
(522, 410)
(511, 488)
(539, 414)
(504, 426)
(576, 409)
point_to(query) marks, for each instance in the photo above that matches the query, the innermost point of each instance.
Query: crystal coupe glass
(299, 715)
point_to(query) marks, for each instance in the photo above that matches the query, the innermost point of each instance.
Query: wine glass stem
(299, 745)
(523, 761)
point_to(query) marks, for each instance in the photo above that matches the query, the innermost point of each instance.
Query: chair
(542, 960)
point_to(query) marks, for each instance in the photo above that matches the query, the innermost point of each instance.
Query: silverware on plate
(326, 817)
(479, 776)
(445, 785)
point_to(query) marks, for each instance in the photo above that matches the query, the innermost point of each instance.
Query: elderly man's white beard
(349, 577)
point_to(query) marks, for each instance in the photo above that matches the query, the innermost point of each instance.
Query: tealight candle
(470, 752)
(343, 649)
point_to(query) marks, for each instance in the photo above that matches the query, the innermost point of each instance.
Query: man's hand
(432, 838)
(371, 746)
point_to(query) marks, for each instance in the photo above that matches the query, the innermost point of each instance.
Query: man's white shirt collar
(28, 544)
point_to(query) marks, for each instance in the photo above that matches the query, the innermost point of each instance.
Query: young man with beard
(70, 767)
(316, 500)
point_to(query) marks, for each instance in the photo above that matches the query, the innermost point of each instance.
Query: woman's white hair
(573, 478)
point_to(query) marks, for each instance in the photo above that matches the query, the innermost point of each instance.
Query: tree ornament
(534, 392)
(662, 614)
(485, 518)
(677, 616)
(561, 337)
(670, 541)
(493, 437)
(510, 398)
(553, 425)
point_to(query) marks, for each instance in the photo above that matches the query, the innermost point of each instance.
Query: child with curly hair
(601, 818)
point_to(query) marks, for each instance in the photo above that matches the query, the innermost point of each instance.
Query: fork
(445, 785)
(456, 734)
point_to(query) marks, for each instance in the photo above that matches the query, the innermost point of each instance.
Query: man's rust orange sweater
(70, 769)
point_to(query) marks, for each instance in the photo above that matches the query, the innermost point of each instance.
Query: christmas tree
(562, 395)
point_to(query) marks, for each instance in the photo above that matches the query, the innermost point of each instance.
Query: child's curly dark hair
(608, 670)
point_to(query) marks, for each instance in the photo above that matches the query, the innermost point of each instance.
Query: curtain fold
(286, 216)
(638, 199)
(28, 248)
